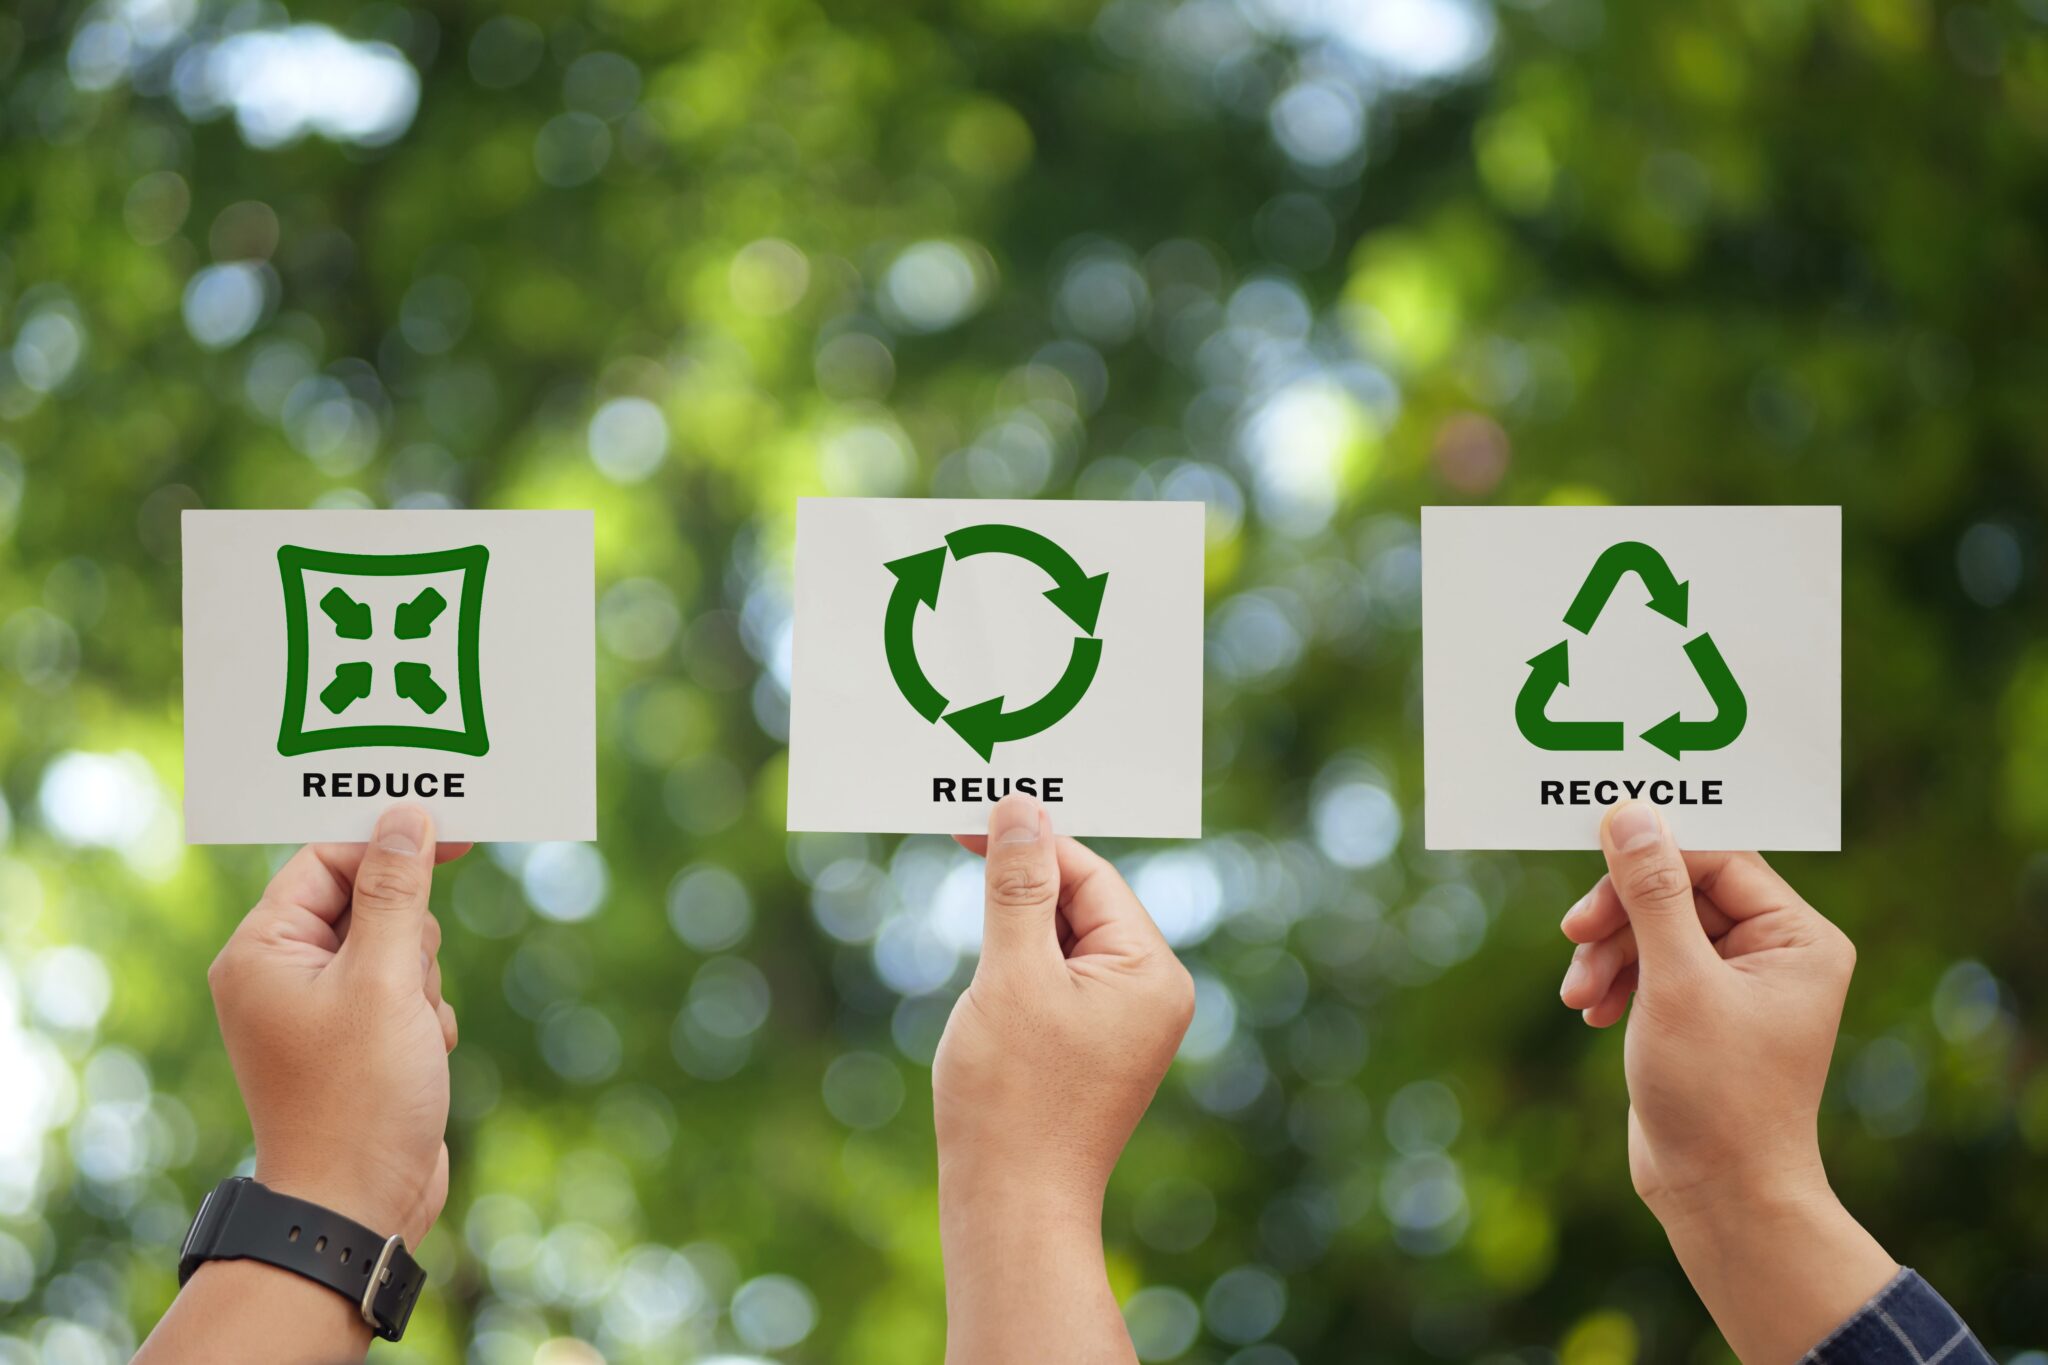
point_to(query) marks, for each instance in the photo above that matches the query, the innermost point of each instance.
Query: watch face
(200, 1236)
(198, 1221)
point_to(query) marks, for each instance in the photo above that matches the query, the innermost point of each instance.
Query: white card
(950, 650)
(336, 662)
(1575, 656)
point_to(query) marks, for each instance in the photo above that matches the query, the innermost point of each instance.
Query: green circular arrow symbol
(986, 724)
(1551, 670)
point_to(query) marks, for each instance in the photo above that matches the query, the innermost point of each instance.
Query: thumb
(1023, 884)
(390, 908)
(1654, 887)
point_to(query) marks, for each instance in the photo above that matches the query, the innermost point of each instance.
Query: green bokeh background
(1316, 263)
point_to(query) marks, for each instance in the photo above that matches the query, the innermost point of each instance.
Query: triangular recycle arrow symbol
(1551, 669)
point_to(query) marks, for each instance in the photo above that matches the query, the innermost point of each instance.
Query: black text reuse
(1046, 789)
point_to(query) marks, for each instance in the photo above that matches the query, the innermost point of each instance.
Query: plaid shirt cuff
(1907, 1323)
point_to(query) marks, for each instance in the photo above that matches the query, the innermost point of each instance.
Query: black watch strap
(242, 1220)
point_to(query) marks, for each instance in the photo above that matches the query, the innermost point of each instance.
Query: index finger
(321, 878)
(1742, 885)
(1739, 885)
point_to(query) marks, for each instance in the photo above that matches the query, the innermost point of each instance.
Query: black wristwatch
(244, 1220)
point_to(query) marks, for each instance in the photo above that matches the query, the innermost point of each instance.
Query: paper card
(1576, 656)
(338, 661)
(948, 651)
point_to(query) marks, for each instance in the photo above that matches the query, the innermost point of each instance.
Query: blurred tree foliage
(1314, 261)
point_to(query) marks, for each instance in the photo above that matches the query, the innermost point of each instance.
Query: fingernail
(1573, 975)
(1634, 826)
(402, 829)
(1016, 820)
(1577, 906)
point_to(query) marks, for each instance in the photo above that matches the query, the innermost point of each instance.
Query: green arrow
(414, 620)
(351, 618)
(1074, 592)
(986, 724)
(351, 683)
(1668, 596)
(415, 682)
(1549, 671)
(1675, 735)
(917, 581)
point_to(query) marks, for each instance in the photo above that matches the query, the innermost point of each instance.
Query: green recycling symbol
(986, 724)
(1551, 669)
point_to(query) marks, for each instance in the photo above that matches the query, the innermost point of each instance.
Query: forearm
(249, 1313)
(1025, 1277)
(1779, 1272)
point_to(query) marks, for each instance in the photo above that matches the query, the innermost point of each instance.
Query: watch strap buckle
(380, 1276)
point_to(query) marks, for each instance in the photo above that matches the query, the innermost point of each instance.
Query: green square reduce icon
(382, 650)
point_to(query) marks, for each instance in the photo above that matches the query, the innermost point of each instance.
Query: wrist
(1734, 1198)
(326, 1317)
(994, 1214)
(289, 1320)
(1026, 1278)
(1779, 1265)
(1019, 1200)
(997, 1185)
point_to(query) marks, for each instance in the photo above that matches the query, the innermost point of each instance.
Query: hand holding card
(1047, 1064)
